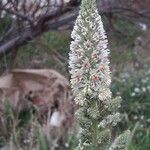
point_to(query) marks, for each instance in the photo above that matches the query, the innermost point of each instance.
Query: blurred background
(36, 34)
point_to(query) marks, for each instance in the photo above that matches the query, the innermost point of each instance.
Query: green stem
(94, 136)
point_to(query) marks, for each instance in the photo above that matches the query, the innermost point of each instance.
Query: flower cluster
(89, 54)
(120, 142)
(90, 81)
(135, 90)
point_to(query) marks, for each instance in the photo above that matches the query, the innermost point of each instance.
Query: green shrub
(135, 91)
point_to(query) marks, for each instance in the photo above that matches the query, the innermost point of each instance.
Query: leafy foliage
(135, 90)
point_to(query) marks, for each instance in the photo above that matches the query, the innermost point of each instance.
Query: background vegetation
(130, 64)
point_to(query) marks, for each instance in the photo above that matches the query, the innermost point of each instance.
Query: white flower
(56, 119)
(144, 81)
(118, 93)
(142, 117)
(88, 58)
(143, 89)
(148, 120)
(143, 26)
(90, 74)
(66, 145)
(111, 119)
(133, 94)
(148, 87)
(137, 90)
(104, 94)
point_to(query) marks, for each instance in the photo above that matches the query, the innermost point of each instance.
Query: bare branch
(29, 35)
(32, 18)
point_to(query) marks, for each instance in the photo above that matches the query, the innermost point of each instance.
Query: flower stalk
(90, 81)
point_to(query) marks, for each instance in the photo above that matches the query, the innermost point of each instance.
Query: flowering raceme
(90, 81)
(89, 60)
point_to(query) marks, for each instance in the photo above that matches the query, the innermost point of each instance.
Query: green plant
(21, 128)
(90, 79)
(135, 90)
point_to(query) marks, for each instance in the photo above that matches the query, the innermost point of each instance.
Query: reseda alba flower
(90, 81)
(89, 54)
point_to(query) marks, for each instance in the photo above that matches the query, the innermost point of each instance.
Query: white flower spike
(90, 81)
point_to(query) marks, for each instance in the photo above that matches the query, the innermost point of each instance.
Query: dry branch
(32, 18)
